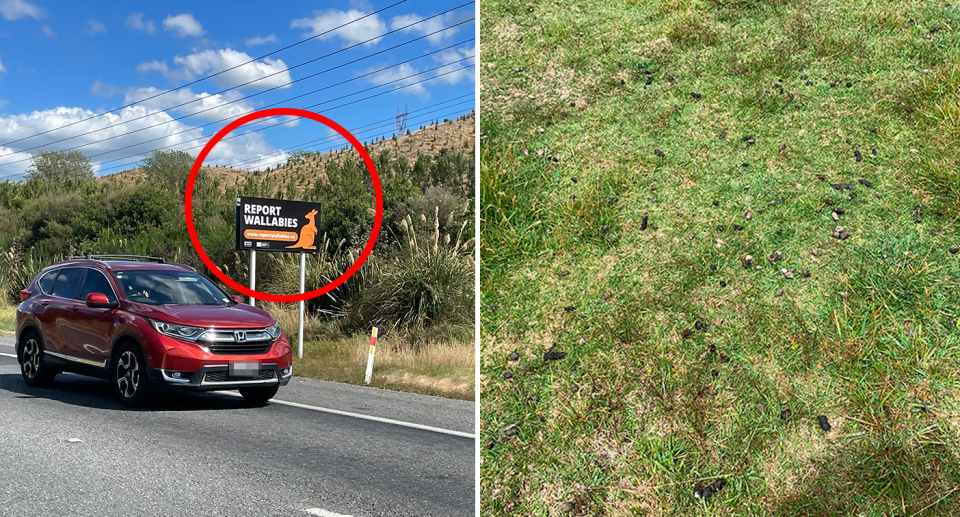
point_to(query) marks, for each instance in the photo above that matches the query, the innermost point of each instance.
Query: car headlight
(274, 330)
(178, 331)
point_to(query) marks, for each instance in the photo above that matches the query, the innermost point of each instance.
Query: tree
(60, 166)
(168, 169)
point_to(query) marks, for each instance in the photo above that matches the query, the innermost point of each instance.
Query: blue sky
(64, 62)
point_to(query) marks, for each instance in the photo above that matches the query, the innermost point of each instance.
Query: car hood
(240, 315)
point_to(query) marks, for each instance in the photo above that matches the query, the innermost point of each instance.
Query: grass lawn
(661, 188)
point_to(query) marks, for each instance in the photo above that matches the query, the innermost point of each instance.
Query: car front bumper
(217, 377)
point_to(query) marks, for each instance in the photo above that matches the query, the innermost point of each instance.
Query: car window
(46, 281)
(67, 283)
(95, 282)
(169, 287)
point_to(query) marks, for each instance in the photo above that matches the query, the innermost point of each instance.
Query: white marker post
(303, 275)
(253, 273)
(373, 350)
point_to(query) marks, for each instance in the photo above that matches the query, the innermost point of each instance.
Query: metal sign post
(303, 274)
(253, 273)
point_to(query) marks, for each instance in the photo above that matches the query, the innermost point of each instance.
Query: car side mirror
(100, 301)
(237, 298)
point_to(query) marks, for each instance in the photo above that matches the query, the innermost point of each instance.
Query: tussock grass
(647, 404)
(8, 316)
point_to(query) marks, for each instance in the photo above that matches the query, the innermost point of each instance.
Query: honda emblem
(239, 336)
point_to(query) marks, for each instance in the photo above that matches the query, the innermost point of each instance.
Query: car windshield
(165, 287)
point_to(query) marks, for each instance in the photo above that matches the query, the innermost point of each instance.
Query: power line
(248, 111)
(140, 154)
(355, 132)
(211, 75)
(164, 110)
(274, 104)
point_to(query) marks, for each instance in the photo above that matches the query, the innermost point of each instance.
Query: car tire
(30, 355)
(128, 374)
(258, 396)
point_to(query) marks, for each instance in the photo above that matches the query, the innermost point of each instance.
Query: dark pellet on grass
(569, 308)
(566, 507)
(513, 356)
(723, 284)
(785, 414)
(695, 95)
(839, 210)
(737, 227)
(866, 183)
(565, 273)
(712, 392)
(724, 358)
(954, 251)
(686, 334)
(779, 292)
(823, 423)
(720, 228)
(857, 154)
(494, 307)
(775, 256)
(490, 445)
(512, 431)
(805, 273)
(659, 153)
(842, 186)
(714, 373)
(507, 375)
(554, 356)
(574, 179)
(643, 222)
(874, 151)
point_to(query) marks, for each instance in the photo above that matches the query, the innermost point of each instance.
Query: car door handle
(74, 308)
(44, 303)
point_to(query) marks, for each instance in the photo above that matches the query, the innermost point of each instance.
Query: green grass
(641, 410)
(8, 316)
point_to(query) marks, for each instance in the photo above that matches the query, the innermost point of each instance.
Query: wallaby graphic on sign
(307, 234)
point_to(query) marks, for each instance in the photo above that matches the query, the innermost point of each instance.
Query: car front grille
(247, 348)
(266, 375)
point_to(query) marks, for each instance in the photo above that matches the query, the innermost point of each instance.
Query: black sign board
(277, 225)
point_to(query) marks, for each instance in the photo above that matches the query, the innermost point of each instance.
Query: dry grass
(445, 370)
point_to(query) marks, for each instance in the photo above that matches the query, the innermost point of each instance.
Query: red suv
(147, 325)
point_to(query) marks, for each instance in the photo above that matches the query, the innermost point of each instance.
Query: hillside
(453, 135)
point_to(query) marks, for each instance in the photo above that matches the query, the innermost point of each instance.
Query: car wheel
(32, 367)
(258, 396)
(129, 376)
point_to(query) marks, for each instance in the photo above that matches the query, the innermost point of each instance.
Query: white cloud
(354, 33)
(48, 31)
(135, 22)
(194, 65)
(253, 147)
(404, 75)
(456, 68)
(432, 25)
(16, 9)
(94, 28)
(103, 89)
(203, 102)
(252, 42)
(183, 25)
(2, 68)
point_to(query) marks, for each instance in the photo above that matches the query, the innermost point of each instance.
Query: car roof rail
(139, 258)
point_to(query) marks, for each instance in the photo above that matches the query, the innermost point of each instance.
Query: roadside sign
(277, 225)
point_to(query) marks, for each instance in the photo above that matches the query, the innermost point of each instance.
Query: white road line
(320, 512)
(9, 355)
(364, 417)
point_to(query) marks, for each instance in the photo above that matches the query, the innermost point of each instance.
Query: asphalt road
(71, 449)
